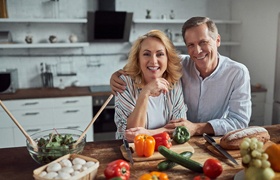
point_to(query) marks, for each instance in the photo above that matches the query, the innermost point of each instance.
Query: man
(216, 89)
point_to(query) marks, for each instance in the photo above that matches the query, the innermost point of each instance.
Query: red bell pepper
(162, 139)
(117, 168)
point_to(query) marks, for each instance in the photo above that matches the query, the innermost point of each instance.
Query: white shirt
(223, 99)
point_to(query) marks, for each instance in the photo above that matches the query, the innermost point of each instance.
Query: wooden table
(16, 163)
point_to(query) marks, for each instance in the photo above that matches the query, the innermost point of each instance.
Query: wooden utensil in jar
(94, 118)
(31, 141)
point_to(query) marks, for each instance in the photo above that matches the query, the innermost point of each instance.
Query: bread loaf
(232, 139)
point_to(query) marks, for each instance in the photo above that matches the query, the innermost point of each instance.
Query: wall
(258, 37)
(94, 64)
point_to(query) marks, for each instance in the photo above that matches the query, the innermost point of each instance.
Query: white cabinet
(40, 114)
(258, 101)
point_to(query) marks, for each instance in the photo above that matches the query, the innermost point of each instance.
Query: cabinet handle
(33, 130)
(72, 111)
(253, 95)
(30, 103)
(31, 113)
(71, 101)
(110, 107)
(73, 127)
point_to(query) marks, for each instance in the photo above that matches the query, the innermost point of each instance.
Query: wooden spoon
(31, 141)
(94, 118)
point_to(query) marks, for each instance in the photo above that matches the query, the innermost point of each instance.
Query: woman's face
(152, 59)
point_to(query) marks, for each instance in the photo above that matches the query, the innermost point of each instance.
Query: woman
(153, 94)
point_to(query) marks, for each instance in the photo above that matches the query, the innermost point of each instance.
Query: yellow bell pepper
(144, 145)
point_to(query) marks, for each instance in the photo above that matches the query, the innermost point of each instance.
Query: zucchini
(179, 159)
(168, 164)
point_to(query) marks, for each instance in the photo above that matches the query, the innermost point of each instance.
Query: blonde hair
(174, 68)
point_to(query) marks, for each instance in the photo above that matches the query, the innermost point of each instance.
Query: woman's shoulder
(126, 78)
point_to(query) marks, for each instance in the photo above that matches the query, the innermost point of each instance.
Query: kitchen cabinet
(258, 103)
(12, 23)
(44, 113)
(180, 22)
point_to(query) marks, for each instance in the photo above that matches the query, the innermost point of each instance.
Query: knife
(210, 140)
(128, 150)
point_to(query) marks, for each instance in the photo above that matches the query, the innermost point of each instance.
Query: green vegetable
(168, 164)
(53, 147)
(179, 159)
(181, 135)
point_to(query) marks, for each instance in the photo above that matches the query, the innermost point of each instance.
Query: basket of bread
(70, 166)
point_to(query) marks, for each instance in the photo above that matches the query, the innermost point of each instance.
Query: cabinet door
(6, 121)
(6, 137)
(28, 104)
(32, 117)
(258, 97)
(72, 101)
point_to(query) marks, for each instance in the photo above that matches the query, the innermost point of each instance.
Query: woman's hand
(132, 132)
(156, 87)
(116, 83)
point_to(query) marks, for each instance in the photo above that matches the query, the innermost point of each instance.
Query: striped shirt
(170, 106)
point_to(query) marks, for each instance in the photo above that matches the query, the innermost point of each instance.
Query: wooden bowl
(88, 174)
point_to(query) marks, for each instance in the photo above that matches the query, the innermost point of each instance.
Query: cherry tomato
(201, 178)
(212, 168)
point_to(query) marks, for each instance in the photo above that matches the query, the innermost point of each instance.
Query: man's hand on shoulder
(116, 83)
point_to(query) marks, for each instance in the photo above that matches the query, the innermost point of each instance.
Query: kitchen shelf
(178, 21)
(226, 43)
(44, 45)
(41, 20)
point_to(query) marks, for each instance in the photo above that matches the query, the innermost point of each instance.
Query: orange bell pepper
(154, 175)
(273, 152)
(144, 145)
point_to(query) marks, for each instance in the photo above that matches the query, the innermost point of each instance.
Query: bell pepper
(118, 168)
(154, 175)
(162, 139)
(144, 145)
(273, 152)
(181, 134)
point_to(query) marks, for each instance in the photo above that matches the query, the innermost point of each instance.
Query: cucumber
(179, 159)
(168, 164)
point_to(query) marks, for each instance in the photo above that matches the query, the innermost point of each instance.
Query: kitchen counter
(16, 163)
(32, 93)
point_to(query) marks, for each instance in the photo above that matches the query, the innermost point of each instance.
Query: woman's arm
(132, 132)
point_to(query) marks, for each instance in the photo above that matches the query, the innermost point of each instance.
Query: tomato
(212, 168)
(201, 178)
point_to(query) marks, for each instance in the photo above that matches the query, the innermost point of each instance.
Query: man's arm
(193, 128)
(116, 83)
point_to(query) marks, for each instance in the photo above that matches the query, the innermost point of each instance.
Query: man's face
(203, 49)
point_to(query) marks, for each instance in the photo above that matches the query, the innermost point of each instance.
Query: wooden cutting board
(156, 156)
(233, 153)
